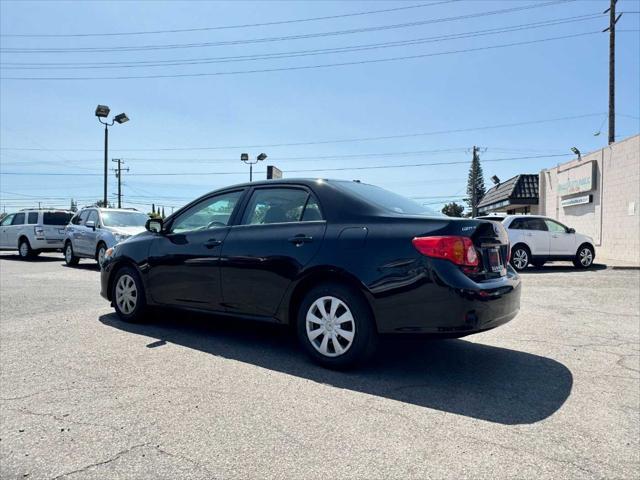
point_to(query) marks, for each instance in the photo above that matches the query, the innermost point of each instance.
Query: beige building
(599, 195)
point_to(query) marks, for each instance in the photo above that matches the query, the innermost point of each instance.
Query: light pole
(102, 111)
(245, 158)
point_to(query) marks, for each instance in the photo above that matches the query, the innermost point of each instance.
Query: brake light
(39, 231)
(459, 250)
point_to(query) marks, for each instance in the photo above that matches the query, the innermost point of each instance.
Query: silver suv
(93, 230)
(34, 231)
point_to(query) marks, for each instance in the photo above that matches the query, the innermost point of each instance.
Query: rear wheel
(69, 258)
(24, 249)
(520, 257)
(128, 295)
(335, 326)
(584, 257)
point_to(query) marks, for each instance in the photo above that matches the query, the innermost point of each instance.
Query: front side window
(56, 218)
(83, 217)
(32, 218)
(93, 217)
(281, 205)
(18, 219)
(555, 227)
(8, 220)
(210, 213)
(124, 219)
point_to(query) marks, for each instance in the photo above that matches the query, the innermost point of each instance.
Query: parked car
(93, 230)
(31, 232)
(537, 239)
(340, 261)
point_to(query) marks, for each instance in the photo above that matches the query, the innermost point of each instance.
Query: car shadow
(39, 258)
(564, 268)
(456, 376)
(90, 265)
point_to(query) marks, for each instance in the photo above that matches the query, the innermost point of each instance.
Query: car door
(281, 230)
(90, 234)
(184, 261)
(561, 242)
(13, 231)
(537, 236)
(78, 238)
(4, 228)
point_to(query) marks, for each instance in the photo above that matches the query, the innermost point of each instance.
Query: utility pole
(118, 171)
(474, 180)
(612, 68)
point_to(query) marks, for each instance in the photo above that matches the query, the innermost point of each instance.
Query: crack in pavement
(104, 462)
(61, 418)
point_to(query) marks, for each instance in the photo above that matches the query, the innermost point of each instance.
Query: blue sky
(48, 127)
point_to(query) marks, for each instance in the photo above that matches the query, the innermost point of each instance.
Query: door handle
(212, 242)
(300, 239)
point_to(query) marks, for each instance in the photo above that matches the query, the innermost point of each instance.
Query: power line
(369, 167)
(309, 67)
(291, 54)
(326, 142)
(133, 48)
(222, 27)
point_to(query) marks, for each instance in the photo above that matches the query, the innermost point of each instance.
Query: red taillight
(459, 250)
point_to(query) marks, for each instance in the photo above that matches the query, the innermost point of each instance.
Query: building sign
(570, 202)
(577, 179)
(273, 172)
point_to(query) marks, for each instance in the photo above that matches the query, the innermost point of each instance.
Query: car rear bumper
(441, 300)
(47, 244)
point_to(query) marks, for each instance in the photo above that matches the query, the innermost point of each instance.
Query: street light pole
(102, 111)
(245, 158)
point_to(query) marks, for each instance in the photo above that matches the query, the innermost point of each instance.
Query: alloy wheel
(24, 250)
(101, 253)
(330, 326)
(586, 257)
(126, 294)
(520, 259)
(68, 253)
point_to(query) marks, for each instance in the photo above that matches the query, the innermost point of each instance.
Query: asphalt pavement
(553, 394)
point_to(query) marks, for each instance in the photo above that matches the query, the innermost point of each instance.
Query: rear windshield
(388, 200)
(124, 219)
(56, 218)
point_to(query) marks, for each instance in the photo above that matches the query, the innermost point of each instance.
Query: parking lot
(553, 394)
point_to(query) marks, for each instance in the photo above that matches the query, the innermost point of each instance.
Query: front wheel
(100, 254)
(520, 257)
(584, 257)
(128, 295)
(335, 326)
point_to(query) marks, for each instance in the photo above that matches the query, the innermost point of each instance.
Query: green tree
(453, 209)
(101, 204)
(475, 183)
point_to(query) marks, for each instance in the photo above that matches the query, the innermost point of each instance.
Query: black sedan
(340, 261)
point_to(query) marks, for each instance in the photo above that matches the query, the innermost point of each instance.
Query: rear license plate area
(494, 262)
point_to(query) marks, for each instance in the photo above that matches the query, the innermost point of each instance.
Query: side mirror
(90, 224)
(154, 225)
(571, 230)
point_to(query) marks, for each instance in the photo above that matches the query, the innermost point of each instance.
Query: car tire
(69, 258)
(584, 257)
(336, 327)
(24, 249)
(520, 257)
(127, 295)
(100, 252)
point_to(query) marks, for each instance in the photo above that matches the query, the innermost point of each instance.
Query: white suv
(536, 240)
(34, 231)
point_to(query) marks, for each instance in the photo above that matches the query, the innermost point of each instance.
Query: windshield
(56, 218)
(124, 219)
(388, 200)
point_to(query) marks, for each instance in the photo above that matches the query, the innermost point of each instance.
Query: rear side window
(32, 218)
(279, 205)
(18, 219)
(536, 224)
(56, 218)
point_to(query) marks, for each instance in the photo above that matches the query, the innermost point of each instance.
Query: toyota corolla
(341, 262)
